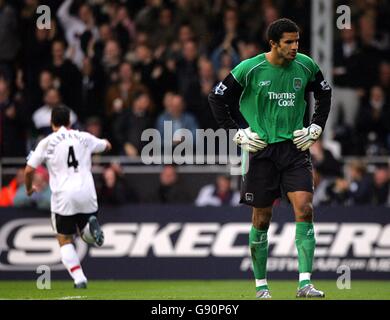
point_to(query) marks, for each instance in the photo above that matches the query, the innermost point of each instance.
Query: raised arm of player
(223, 100)
(28, 179)
(322, 95)
(108, 146)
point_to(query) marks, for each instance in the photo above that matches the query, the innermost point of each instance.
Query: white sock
(86, 235)
(72, 263)
(304, 276)
(261, 282)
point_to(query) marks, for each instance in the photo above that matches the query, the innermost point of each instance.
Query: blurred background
(125, 66)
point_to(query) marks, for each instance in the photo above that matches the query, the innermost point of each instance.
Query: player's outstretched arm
(108, 145)
(28, 178)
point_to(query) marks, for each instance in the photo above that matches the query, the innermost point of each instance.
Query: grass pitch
(186, 290)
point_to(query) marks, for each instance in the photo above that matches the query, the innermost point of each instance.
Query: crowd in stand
(125, 66)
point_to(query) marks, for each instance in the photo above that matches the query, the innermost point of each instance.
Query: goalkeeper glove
(306, 137)
(249, 140)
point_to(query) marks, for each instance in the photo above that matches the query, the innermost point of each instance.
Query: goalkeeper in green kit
(269, 90)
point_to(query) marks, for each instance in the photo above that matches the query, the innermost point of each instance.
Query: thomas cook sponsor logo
(284, 99)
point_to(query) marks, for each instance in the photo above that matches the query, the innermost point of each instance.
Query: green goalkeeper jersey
(273, 97)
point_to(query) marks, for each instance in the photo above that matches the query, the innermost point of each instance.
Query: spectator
(337, 192)
(105, 34)
(268, 14)
(176, 115)
(10, 42)
(170, 189)
(166, 28)
(41, 198)
(384, 78)
(46, 82)
(148, 15)
(93, 125)
(36, 54)
(153, 74)
(42, 116)
(114, 190)
(8, 192)
(68, 76)
(356, 189)
(120, 96)
(371, 50)
(322, 189)
(324, 161)
(360, 186)
(248, 49)
(131, 123)
(75, 27)
(218, 194)
(381, 191)
(207, 80)
(346, 81)
(187, 74)
(92, 90)
(12, 124)
(124, 27)
(112, 58)
(228, 36)
(373, 123)
(226, 41)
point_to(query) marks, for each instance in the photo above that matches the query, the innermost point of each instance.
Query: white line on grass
(72, 297)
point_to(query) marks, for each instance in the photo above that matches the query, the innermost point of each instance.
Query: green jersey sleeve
(309, 64)
(315, 69)
(241, 71)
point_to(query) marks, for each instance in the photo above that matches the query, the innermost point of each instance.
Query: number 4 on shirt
(72, 161)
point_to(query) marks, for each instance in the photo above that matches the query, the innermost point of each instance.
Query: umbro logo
(310, 232)
(264, 83)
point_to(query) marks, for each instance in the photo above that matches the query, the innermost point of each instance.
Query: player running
(67, 154)
(269, 90)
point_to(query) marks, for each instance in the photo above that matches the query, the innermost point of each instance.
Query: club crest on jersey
(297, 84)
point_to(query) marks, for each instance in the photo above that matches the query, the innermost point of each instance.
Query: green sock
(258, 243)
(305, 243)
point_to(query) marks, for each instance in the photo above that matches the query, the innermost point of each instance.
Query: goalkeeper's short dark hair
(278, 27)
(60, 116)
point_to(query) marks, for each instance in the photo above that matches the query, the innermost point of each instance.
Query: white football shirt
(67, 154)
